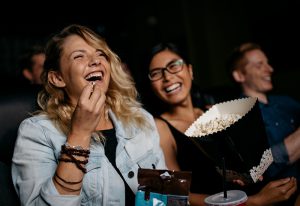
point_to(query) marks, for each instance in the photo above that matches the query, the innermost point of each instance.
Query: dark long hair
(150, 101)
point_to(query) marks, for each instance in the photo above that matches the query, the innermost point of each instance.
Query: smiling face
(171, 88)
(80, 64)
(255, 76)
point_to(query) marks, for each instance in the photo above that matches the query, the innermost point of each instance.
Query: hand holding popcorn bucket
(233, 131)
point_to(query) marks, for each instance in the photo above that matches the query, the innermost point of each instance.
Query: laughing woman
(87, 143)
(171, 76)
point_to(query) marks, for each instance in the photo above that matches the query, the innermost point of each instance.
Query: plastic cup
(234, 198)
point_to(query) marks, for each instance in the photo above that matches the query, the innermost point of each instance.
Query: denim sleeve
(281, 159)
(33, 167)
(280, 154)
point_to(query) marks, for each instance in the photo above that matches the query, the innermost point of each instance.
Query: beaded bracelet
(78, 147)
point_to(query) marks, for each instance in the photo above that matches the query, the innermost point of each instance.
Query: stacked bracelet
(71, 151)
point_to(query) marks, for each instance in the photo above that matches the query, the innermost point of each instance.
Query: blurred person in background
(249, 67)
(31, 64)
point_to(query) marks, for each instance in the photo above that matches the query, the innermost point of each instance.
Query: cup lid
(234, 197)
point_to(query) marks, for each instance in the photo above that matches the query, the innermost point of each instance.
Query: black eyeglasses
(172, 67)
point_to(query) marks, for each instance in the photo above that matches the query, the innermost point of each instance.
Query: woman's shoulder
(39, 129)
(40, 121)
(160, 122)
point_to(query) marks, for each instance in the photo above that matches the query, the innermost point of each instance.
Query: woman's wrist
(254, 200)
(79, 140)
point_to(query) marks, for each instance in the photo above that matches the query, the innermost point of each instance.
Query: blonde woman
(87, 143)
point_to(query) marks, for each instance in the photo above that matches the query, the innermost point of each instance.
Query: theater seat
(15, 105)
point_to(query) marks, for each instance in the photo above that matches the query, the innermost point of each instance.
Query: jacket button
(130, 174)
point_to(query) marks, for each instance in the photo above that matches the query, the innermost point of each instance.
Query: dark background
(208, 29)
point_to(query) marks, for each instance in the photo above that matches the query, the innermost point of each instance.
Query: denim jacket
(281, 117)
(36, 156)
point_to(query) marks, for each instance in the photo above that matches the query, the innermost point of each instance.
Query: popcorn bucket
(234, 130)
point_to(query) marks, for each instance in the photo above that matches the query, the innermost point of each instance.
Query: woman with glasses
(171, 76)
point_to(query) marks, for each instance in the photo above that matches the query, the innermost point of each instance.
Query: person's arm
(169, 148)
(197, 199)
(37, 177)
(168, 145)
(297, 200)
(85, 119)
(274, 192)
(33, 166)
(287, 151)
(292, 144)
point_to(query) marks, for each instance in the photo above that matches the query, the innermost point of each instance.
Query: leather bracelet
(70, 160)
(75, 161)
(72, 151)
(67, 182)
(64, 187)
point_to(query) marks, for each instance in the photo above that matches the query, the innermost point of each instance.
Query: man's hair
(25, 61)
(236, 59)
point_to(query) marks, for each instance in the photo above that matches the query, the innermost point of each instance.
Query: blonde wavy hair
(121, 96)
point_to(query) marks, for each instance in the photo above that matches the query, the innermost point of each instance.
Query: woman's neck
(182, 116)
(105, 122)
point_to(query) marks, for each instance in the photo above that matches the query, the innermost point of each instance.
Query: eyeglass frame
(162, 70)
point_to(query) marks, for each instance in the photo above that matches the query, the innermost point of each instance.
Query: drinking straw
(224, 177)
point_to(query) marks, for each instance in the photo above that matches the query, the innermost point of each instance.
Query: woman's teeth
(172, 87)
